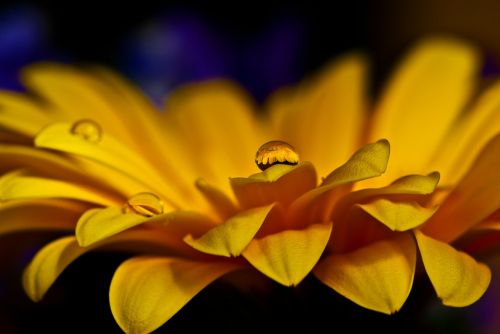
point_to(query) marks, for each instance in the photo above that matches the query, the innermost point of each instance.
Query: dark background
(88, 32)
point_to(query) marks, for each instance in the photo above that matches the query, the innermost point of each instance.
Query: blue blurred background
(263, 47)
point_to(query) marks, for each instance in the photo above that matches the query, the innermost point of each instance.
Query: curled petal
(279, 183)
(231, 237)
(378, 277)
(401, 216)
(48, 264)
(369, 161)
(51, 260)
(288, 256)
(147, 291)
(457, 278)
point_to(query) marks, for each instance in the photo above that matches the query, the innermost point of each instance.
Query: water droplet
(276, 152)
(87, 129)
(145, 204)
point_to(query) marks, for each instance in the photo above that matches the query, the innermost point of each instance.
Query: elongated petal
(425, 96)
(279, 183)
(401, 216)
(34, 215)
(147, 291)
(54, 165)
(231, 237)
(288, 256)
(48, 264)
(323, 112)
(19, 113)
(107, 150)
(369, 161)
(215, 120)
(17, 185)
(378, 277)
(475, 198)
(457, 278)
(468, 136)
(98, 224)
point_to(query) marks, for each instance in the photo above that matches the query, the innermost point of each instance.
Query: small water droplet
(87, 129)
(145, 204)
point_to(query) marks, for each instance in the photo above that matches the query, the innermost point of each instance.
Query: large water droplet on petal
(146, 204)
(87, 129)
(276, 152)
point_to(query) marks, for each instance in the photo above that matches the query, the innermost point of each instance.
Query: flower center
(276, 152)
(87, 129)
(145, 204)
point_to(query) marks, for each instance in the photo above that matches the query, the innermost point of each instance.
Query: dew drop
(276, 152)
(145, 204)
(87, 129)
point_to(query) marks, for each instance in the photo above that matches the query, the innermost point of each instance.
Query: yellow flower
(85, 152)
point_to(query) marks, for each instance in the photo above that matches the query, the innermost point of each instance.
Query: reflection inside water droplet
(145, 204)
(276, 152)
(87, 129)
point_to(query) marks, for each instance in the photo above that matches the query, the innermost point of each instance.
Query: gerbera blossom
(83, 151)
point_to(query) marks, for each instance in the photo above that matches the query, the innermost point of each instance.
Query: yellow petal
(136, 109)
(400, 216)
(48, 264)
(406, 185)
(378, 277)
(318, 115)
(457, 278)
(231, 237)
(424, 97)
(468, 136)
(18, 185)
(147, 291)
(218, 200)
(51, 260)
(98, 224)
(34, 215)
(279, 183)
(54, 165)
(19, 113)
(108, 151)
(288, 256)
(475, 198)
(215, 120)
(369, 161)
